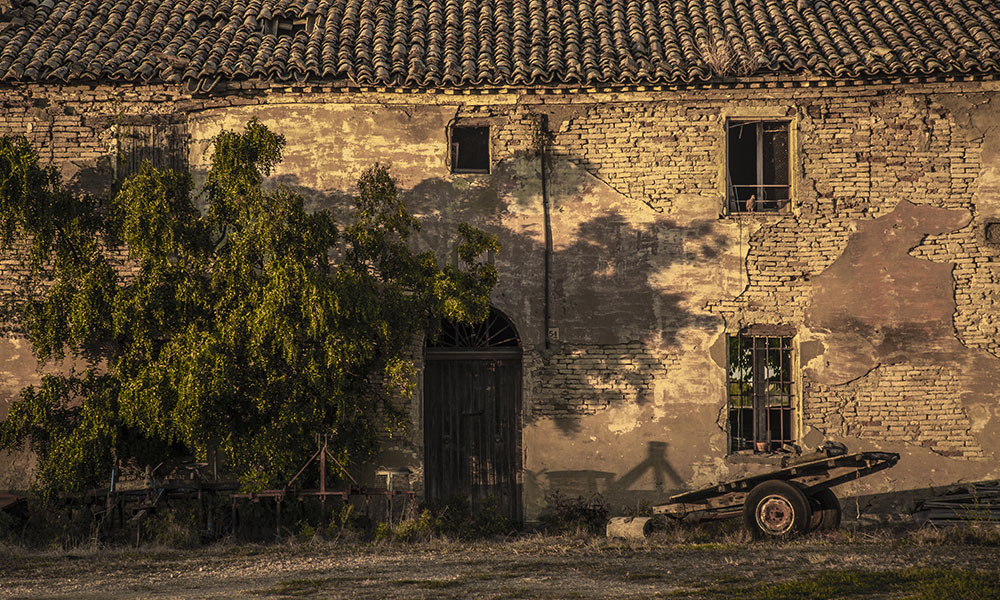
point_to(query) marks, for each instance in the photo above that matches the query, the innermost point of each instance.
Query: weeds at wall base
(179, 527)
(455, 519)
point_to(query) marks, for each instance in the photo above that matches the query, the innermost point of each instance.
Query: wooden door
(472, 426)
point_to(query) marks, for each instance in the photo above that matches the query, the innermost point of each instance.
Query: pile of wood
(971, 504)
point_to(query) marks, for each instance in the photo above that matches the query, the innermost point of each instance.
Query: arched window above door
(496, 331)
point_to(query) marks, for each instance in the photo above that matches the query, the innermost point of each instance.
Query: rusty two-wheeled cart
(793, 499)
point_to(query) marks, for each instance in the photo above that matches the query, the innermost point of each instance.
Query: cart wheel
(776, 509)
(825, 511)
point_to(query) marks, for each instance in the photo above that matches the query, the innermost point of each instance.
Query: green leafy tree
(240, 322)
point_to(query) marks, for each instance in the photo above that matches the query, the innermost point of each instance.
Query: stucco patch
(878, 292)
(623, 418)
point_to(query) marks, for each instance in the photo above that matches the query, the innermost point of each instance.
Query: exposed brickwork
(579, 380)
(897, 403)
(859, 152)
(72, 126)
(977, 282)
(659, 154)
(16, 285)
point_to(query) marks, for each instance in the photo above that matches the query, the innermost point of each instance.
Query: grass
(708, 563)
(298, 587)
(916, 583)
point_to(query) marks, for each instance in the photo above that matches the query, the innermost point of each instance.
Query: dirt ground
(841, 565)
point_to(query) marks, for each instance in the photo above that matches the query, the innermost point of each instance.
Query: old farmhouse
(728, 226)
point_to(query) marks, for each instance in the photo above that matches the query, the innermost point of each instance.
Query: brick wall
(585, 379)
(860, 151)
(977, 282)
(658, 154)
(898, 404)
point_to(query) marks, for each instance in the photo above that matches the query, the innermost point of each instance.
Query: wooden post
(322, 467)
(234, 515)
(277, 517)
(201, 510)
(322, 482)
(121, 511)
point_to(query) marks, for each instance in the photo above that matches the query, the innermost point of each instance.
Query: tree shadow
(609, 297)
(614, 309)
(612, 297)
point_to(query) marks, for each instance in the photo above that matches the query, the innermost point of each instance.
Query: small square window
(757, 166)
(164, 145)
(759, 387)
(470, 149)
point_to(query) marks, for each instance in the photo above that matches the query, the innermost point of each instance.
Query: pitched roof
(431, 43)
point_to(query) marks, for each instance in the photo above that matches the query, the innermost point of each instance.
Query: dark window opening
(470, 149)
(757, 166)
(163, 145)
(759, 386)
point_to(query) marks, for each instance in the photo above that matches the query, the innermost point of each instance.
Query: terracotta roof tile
(428, 43)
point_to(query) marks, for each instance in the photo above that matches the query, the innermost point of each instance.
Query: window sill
(763, 215)
(776, 459)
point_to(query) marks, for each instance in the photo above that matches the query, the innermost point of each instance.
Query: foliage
(573, 515)
(174, 528)
(239, 323)
(454, 519)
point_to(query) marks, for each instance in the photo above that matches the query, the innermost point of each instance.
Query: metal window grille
(759, 384)
(757, 166)
(497, 330)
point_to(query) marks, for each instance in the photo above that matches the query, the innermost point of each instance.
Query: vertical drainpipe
(543, 134)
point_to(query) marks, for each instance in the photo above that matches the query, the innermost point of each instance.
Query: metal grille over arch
(495, 332)
(472, 415)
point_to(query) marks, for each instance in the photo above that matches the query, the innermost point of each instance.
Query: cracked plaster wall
(879, 266)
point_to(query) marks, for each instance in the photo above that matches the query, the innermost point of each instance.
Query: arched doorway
(472, 414)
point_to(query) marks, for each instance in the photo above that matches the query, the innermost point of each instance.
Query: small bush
(453, 519)
(563, 515)
(422, 528)
(11, 526)
(174, 528)
(39, 525)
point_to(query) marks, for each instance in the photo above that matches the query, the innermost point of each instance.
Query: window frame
(733, 204)
(788, 114)
(761, 406)
(453, 151)
(164, 144)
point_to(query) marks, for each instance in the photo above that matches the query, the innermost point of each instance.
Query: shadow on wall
(611, 310)
(654, 468)
(603, 262)
(96, 179)
(604, 297)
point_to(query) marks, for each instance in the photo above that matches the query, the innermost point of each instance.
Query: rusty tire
(825, 511)
(776, 509)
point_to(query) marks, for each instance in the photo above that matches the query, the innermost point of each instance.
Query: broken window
(757, 172)
(162, 144)
(470, 149)
(759, 384)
